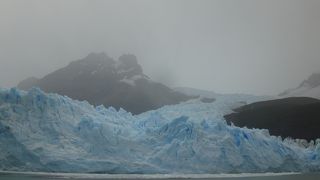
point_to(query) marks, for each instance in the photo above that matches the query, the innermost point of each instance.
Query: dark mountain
(296, 117)
(101, 80)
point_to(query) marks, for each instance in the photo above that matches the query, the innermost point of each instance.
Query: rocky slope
(295, 117)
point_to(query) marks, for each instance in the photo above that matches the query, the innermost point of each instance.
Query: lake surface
(55, 176)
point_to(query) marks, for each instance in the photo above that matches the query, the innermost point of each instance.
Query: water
(55, 176)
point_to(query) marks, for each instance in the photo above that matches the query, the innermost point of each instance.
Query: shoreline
(149, 176)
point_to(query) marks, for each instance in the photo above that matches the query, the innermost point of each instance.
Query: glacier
(53, 133)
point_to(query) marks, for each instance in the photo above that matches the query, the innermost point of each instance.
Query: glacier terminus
(53, 133)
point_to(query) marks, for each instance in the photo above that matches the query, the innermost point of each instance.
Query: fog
(228, 46)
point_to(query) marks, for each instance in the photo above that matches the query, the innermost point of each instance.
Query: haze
(228, 46)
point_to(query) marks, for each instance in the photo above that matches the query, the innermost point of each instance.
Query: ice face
(49, 132)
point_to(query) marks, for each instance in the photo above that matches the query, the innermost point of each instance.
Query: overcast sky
(244, 46)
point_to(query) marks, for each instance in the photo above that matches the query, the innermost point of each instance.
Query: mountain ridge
(99, 79)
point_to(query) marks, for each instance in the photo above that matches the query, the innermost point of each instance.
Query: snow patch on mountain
(132, 80)
(308, 88)
(303, 91)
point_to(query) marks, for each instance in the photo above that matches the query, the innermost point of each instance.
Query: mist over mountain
(99, 79)
(308, 88)
(161, 89)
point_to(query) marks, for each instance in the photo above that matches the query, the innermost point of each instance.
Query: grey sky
(248, 46)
